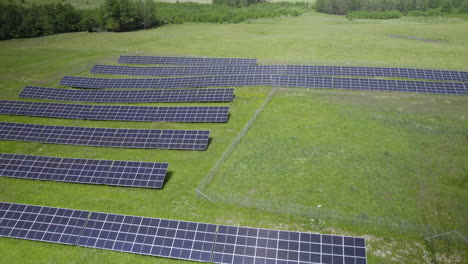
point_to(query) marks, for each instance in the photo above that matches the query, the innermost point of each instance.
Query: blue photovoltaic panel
(149, 236)
(377, 72)
(88, 171)
(371, 84)
(236, 244)
(47, 224)
(184, 60)
(277, 80)
(166, 83)
(284, 70)
(192, 114)
(188, 71)
(106, 137)
(130, 96)
(178, 239)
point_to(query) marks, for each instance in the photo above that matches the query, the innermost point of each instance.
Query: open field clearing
(395, 155)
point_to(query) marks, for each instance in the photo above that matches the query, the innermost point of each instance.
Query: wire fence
(219, 163)
(319, 215)
(331, 217)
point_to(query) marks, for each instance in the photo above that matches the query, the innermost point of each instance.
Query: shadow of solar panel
(253, 245)
(115, 112)
(184, 60)
(149, 236)
(47, 224)
(88, 171)
(135, 96)
(371, 84)
(105, 137)
(166, 83)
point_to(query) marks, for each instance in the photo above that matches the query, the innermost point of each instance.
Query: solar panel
(184, 60)
(47, 224)
(106, 137)
(193, 114)
(88, 171)
(130, 96)
(188, 71)
(149, 236)
(371, 84)
(178, 239)
(284, 70)
(377, 72)
(166, 83)
(236, 244)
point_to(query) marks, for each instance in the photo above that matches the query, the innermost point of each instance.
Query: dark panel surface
(253, 245)
(184, 60)
(47, 224)
(371, 84)
(166, 83)
(285, 70)
(190, 114)
(130, 96)
(88, 171)
(149, 236)
(106, 137)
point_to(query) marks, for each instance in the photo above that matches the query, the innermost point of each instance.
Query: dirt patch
(415, 38)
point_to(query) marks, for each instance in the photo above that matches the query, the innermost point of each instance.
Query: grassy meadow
(387, 154)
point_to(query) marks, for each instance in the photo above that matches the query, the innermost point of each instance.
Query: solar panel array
(235, 244)
(130, 96)
(47, 224)
(88, 171)
(106, 137)
(191, 114)
(284, 70)
(177, 239)
(166, 83)
(188, 71)
(371, 84)
(277, 80)
(149, 236)
(377, 72)
(184, 60)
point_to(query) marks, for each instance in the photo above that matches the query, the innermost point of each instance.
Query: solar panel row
(188, 71)
(166, 83)
(277, 80)
(184, 60)
(371, 84)
(129, 96)
(177, 239)
(106, 137)
(89, 171)
(284, 70)
(191, 114)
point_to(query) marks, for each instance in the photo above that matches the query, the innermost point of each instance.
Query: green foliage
(237, 3)
(17, 21)
(192, 12)
(374, 15)
(341, 7)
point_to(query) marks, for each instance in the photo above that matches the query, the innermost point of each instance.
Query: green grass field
(385, 154)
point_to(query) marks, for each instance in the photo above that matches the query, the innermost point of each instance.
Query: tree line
(18, 20)
(342, 7)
